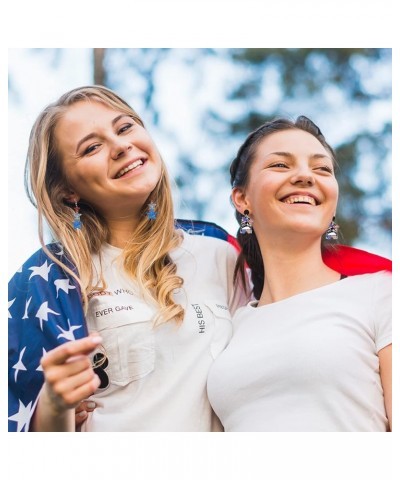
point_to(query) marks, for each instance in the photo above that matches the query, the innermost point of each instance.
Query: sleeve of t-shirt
(383, 310)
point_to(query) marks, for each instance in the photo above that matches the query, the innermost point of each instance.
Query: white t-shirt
(307, 363)
(157, 375)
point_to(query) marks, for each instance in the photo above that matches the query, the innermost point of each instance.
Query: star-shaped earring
(151, 212)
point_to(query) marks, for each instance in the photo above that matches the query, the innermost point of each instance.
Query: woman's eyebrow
(291, 155)
(93, 135)
(320, 155)
(119, 117)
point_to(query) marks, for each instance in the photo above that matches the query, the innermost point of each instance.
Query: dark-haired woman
(313, 351)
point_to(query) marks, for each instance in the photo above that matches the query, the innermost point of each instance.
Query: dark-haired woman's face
(110, 161)
(292, 187)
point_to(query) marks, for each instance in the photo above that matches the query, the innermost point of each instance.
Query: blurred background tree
(200, 104)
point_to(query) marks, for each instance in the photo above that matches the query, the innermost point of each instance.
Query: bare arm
(69, 378)
(385, 368)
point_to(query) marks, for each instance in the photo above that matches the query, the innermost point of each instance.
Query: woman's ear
(239, 199)
(71, 197)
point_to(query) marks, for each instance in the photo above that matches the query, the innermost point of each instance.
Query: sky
(232, 24)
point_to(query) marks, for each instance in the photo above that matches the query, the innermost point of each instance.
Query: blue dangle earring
(332, 232)
(245, 223)
(76, 223)
(151, 211)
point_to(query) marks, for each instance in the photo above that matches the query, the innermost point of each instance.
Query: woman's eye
(91, 148)
(325, 168)
(125, 127)
(278, 165)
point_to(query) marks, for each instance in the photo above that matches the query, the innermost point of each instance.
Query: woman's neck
(292, 268)
(121, 230)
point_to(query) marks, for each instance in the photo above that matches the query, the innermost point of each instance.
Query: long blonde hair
(145, 257)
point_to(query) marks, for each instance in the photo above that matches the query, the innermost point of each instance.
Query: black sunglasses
(100, 363)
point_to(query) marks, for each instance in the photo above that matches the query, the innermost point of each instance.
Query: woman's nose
(303, 178)
(119, 148)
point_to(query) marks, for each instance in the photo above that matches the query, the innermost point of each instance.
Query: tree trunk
(98, 62)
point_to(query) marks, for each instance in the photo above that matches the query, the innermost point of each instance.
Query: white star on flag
(40, 368)
(42, 313)
(23, 415)
(68, 334)
(9, 305)
(19, 365)
(43, 271)
(60, 253)
(64, 285)
(26, 308)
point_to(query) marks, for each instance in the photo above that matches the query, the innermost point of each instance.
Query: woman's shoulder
(383, 277)
(43, 252)
(207, 233)
(42, 290)
(203, 245)
(368, 288)
(40, 262)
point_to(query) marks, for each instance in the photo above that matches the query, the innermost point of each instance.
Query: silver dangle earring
(245, 223)
(76, 223)
(332, 232)
(151, 211)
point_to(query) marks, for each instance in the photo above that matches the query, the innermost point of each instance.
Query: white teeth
(300, 199)
(133, 165)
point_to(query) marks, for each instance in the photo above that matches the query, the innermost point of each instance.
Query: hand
(69, 376)
(82, 410)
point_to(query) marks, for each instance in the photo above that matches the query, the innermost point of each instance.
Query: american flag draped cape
(45, 310)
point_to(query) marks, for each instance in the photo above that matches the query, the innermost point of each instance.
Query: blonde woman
(123, 308)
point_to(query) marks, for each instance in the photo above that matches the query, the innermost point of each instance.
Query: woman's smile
(130, 169)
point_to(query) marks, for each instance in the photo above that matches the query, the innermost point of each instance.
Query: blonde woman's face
(109, 160)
